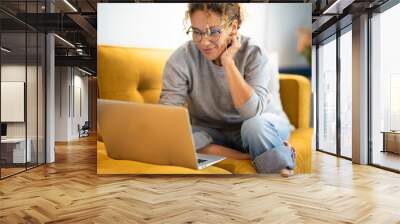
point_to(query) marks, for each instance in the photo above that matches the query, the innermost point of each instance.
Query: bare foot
(287, 172)
(229, 153)
(286, 143)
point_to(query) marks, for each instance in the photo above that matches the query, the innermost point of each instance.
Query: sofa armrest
(295, 94)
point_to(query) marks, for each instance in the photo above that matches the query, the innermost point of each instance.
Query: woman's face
(201, 20)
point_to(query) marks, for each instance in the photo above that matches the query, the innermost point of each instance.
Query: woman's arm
(175, 85)
(250, 95)
(240, 90)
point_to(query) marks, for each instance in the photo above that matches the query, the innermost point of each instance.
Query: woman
(233, 99)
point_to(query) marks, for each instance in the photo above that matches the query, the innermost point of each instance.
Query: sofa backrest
(131, 74)
(135, 74)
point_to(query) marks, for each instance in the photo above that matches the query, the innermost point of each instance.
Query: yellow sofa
(135, 74)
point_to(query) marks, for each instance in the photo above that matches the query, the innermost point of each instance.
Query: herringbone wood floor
(69, 191)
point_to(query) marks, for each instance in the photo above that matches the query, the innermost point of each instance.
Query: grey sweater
(190, 78)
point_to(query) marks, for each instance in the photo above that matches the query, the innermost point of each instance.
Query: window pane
(41, 98)
(31, 100)
(346, 94)
(14, 153)
(386, 89)
(327, 97)
(32, 88)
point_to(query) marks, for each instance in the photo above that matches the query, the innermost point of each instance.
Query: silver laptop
(150, 133)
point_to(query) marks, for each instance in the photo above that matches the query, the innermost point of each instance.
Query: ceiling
(74, 21)
(332, 15)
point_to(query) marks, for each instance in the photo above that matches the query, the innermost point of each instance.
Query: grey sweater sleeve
(175, 85)
(256, 75)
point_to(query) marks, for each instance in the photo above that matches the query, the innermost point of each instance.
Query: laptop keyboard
(201, 161)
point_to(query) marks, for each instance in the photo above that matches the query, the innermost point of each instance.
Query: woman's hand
(230, 52)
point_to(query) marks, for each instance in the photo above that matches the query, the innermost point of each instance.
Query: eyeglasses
(213, 34)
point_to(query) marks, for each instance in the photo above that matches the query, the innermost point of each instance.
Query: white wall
(160, 25)
(33, 127)
(12, 73)
(62, 81)
(68, 83)
(12, 101)
(80, 84)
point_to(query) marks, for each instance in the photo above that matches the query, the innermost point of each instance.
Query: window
(346, 93)
(22, 78)
(327, 96)
(385, 89)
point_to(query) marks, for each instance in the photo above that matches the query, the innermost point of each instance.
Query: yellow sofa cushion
(132, 74)
(107, 165)
(237, 166)
(300, 139)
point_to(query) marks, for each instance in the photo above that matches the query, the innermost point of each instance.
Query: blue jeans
(261, 136)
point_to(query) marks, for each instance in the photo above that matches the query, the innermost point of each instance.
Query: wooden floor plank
(70, 191)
